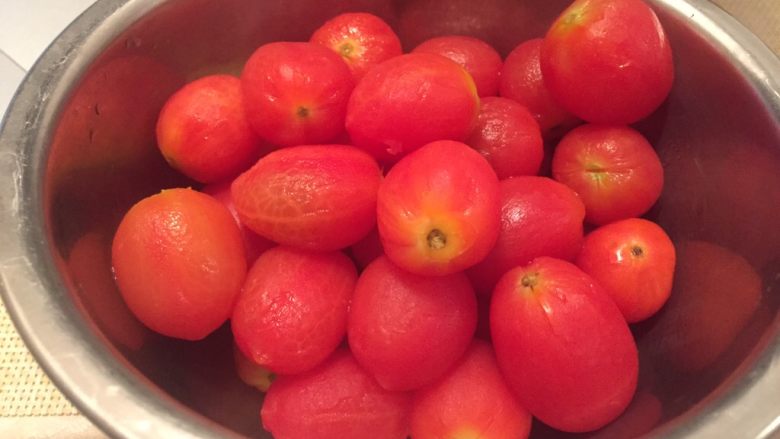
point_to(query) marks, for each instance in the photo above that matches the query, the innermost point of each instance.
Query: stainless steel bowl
(77, 149)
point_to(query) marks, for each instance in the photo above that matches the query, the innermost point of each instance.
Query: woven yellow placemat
(25, 390)
(31, 407)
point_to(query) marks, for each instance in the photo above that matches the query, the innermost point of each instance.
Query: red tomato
(363, 40)
(539, 217)
(337, 400)
(509, 138)
(521, 80)
(296, 93)
(633, 260)
(292, 312)
(409, 101)
(407, 330)
(613, 169)
(563, 345)
(471, 400)
(608, 61)
(319, 197)
(202, 130)
(438, 209)
(476, 56)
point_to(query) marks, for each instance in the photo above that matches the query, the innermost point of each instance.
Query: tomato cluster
(356, 193)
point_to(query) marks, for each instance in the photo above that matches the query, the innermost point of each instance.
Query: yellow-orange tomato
(179, 262)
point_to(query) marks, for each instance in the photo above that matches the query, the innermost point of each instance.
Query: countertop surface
(30, 406)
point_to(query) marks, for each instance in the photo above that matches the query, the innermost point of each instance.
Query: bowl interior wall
(721, 201)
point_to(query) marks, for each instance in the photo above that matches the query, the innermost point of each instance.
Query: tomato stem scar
(437, 240)
(529, 280)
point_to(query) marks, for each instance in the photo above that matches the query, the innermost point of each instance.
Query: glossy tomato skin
(409, 101)
(471, 400)
(521, 80)
(476, 56)
(608, 61)
(438, 209)
(563, 345)
(362, 40)
(203, 132)
(296, 93)
(408, 330)
(613, 169)
(539, 217)
(336, 400)
(508, 136)
(292, 311)
(633, 260)
(318, 197)
(179, 262)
